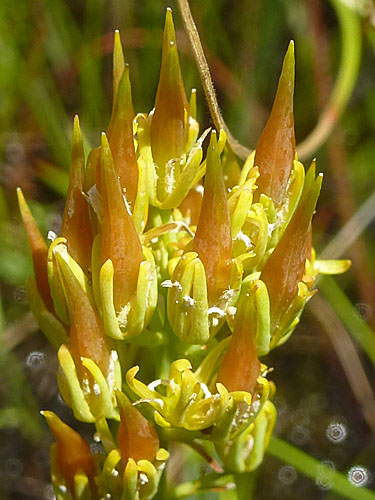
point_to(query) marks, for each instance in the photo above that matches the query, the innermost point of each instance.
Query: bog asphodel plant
(176, 272)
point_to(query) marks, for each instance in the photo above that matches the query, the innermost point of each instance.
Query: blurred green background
(55, 61)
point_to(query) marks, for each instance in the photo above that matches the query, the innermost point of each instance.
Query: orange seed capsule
(137, 437)
(72, 450)
(87, 337)
(39, 251)
(120, 241)
(76, 226)
(240, 367)
(276, 148)
(167, 126)
(213, 238)
(121, 139)
(286, 265)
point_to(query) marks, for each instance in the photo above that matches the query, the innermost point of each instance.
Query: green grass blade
(349, 315)
(313, 468)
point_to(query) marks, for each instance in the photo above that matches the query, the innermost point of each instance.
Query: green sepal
(82, 487)
(140, 211)
(245, 452)
(291, 317)
(193, 128)
(110, 480)
(60, 261)
(239, 202)
(96, 260)
(144, 150)
(57, 289)
(190, 168)
(70, 386)
(188, 313)
(52, 328)
(291, 198)
(211, 363)
(188, 404)
(104, 433)
(254, 294)
(136, 314)
(181, 175)
(87, 406)
(334, 266)
(130, 481)
(187, 300)
(264, 425)
(250, 244)
(140, 479)
(246, 169)
(106, 397)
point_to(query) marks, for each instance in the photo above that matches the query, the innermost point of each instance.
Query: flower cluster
(175, 272)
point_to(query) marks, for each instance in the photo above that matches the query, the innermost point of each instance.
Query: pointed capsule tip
(213, 139)
(169, 32)
(76, 126)
(289, 59)
(104, 142)
(24, 208)
(48, 415)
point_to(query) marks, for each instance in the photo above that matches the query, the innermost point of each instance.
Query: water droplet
(108, 496)
(96, 448)
(48, 493)
(51, 235)
(325, 474)
(115, 472)
(60, 399)
(231, 311)
(35, 360)
(62, 488)
(300, 435)
(54, 222)
(301, 417)
(287, 474)
(20, 295)
(364, 310)
(13, 467)
(358, 475)
(245, 239)
(336, 432)
(96, 389)
(97, 438)
(189, 300)
(143, 479)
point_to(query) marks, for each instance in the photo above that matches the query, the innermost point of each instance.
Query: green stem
(314, 469)
(350, 27)
(245, 485)
(348, 314)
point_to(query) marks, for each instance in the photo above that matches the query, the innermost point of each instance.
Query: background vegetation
(55, 61)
